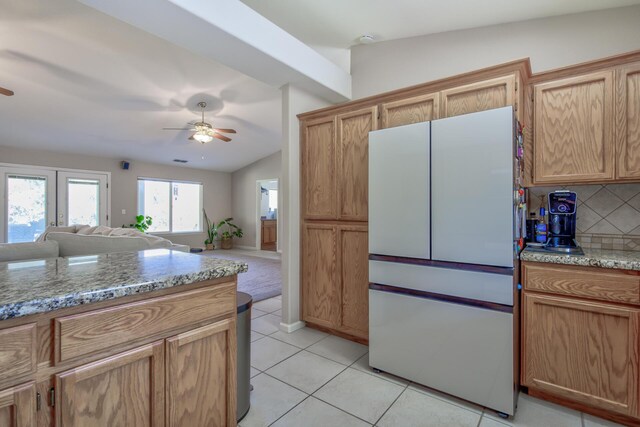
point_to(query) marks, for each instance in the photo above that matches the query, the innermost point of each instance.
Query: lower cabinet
(17, 406)
(583, 351)
(335, 277)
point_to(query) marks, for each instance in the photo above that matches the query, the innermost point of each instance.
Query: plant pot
(226, 243)
(210, 246)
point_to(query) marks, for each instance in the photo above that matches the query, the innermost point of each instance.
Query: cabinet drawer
(100, 330)
(17, 351)
(600, 284)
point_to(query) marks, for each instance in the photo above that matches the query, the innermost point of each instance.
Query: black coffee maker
(562, 222)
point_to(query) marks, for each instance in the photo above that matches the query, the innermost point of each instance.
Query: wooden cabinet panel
(583, 351)
(353, 169)
(485, 95)
(201, 376)
(320, 283)
(412, 110)
(18, 352)
(81, 334)
(593, 283)
(122, 390)
(574, 129)
(318, 169)
(355, 280)
(18, 406)
(269, 235)
(628, 121)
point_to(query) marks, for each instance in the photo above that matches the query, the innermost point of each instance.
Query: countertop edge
(604, 259)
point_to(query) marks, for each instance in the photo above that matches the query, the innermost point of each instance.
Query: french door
(34, 198)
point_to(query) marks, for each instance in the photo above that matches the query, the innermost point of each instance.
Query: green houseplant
(142, 223)
(212, 232)
(231, 231)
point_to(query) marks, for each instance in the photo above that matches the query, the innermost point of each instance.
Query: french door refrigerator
(442, 232)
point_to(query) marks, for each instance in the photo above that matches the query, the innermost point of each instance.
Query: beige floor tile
(277, 313)
(253, 372)
(266, 324)
(360, 394)
(533, 412)
(418, 409)
(268, 305)
(447, 398)
(490, 422)
(302, 338)
(255, 313)
(270, 399)
(306, 371)
(362, 364)
(591, 421)
(338, 349)
(315, 413)
(255, 336)
(268, 352)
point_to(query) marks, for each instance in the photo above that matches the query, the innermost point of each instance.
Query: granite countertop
(603, 258)
(39, 286)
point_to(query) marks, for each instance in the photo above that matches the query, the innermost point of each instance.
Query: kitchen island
(131, 338)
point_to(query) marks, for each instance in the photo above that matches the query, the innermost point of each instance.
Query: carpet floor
(262, 281)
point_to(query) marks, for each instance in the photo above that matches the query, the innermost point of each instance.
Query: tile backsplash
(608, 215)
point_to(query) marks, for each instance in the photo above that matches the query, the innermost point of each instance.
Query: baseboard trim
(291, 327)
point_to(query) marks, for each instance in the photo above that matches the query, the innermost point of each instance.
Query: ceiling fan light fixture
(202, 137)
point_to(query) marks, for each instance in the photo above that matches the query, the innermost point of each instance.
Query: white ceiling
(340, 23)
(88, 83)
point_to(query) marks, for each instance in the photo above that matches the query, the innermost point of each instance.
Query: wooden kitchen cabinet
(480, 96)
(627, 121)
(354, 275)
(18, 406)
(574, 129)
(583, 351)
(201, 366)
(122, 390)
(416, 109)
(269, 234)
(318, 169)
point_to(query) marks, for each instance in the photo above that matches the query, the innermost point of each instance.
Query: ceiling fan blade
(6, 91)
(224, 130)
(221, 137)
(177, 129)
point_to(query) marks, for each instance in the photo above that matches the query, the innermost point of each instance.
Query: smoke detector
(367, 39)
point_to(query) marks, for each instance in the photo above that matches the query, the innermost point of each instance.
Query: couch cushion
(25, 251)
(76, 244)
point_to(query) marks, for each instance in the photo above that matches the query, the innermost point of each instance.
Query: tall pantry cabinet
(334, 185)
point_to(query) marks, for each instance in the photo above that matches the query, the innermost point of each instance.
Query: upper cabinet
(417, 109)
(480, 96)
(628, 121)
(574, 129)
(318, 169)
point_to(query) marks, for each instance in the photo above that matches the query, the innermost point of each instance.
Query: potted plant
(226, 238)
(142, 223)
(212, 232)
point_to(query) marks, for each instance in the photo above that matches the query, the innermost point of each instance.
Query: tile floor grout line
(294, 407)
(304, 348)
(375, 375)
(340, 409)
(445, 399)
(392, 403)
(286, 358)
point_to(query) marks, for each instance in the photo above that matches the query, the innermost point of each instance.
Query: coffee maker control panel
(562, 202)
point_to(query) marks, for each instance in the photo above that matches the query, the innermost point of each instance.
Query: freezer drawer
(461, 350)
(490, 287)
(399, 219)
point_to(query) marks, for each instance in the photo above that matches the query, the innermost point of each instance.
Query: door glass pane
(83, 197)
(186, 207)
(154, 201)
(27, 208)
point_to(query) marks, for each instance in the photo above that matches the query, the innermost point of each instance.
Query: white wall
(244, 196)
(216, 185)
(294, 102)
(549, 42)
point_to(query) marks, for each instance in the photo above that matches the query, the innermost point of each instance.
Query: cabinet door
(355, 280)
(586, 352)
(628, 121)
(573, 137)
(485, 95)
(353, 155)
(418, 109)
(320, 282)
(18, 406)
(201, 376)
(123, 390)
(318, 169)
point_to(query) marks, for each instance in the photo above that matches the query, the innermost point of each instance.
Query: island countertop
(602, 258)
(39, 286)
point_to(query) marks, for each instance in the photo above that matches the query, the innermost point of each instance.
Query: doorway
(34, 198)
(267, 214)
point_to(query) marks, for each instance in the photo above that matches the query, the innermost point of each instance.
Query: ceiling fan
(6, 91)
(204, 132)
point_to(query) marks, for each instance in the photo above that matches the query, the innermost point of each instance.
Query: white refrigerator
(442, 232)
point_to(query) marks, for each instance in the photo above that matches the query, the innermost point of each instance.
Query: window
(175, 207)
